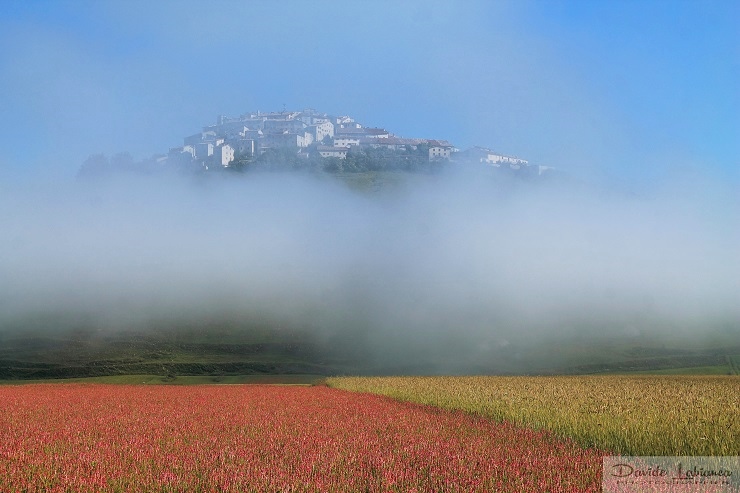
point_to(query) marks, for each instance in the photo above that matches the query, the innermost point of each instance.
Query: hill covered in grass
(224, 351)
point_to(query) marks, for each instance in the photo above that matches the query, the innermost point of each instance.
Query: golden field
(630, 415)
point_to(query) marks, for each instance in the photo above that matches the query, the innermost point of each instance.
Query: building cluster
(487, 156)
(310, 132)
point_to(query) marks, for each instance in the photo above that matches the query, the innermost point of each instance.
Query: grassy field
(502, 434)
(631, 415)
(267, 438)
(229, 347)
(221, 352)
(726, 369)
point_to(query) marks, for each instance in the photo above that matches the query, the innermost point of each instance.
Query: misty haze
(495, 187)
(460, 271)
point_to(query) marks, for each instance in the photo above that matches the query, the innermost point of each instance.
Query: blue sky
(625, 89)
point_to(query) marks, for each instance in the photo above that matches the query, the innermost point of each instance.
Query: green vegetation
(733, 362)
(691, 370)
(276, 379)
(665, 350)
(230, 348)
(216, 350)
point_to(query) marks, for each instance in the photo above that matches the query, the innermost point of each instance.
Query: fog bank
(434, 269)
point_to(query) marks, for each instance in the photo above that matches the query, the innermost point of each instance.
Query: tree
(94, 165)
(241, 162)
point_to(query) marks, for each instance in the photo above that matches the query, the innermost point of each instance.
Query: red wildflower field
(84, 438)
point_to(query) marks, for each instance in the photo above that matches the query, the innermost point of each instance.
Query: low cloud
(434, 270)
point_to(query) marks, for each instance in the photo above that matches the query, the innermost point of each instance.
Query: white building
(495, 159)
(223, 154)
(285, 139)
(188, 150)
(322, 130)
(438, 150)
(308, 139)
(346, 141)
(353, 131)
(392, 143)
(284, 125)
(328, 151)
(377, 133)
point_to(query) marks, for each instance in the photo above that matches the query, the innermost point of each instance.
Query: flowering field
(84, 438)
(631, 415)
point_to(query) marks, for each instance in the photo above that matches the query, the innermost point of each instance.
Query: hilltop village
(310, 133)
(308, 139)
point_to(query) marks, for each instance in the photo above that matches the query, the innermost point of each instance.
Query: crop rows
(636, 415)
(89, 438)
